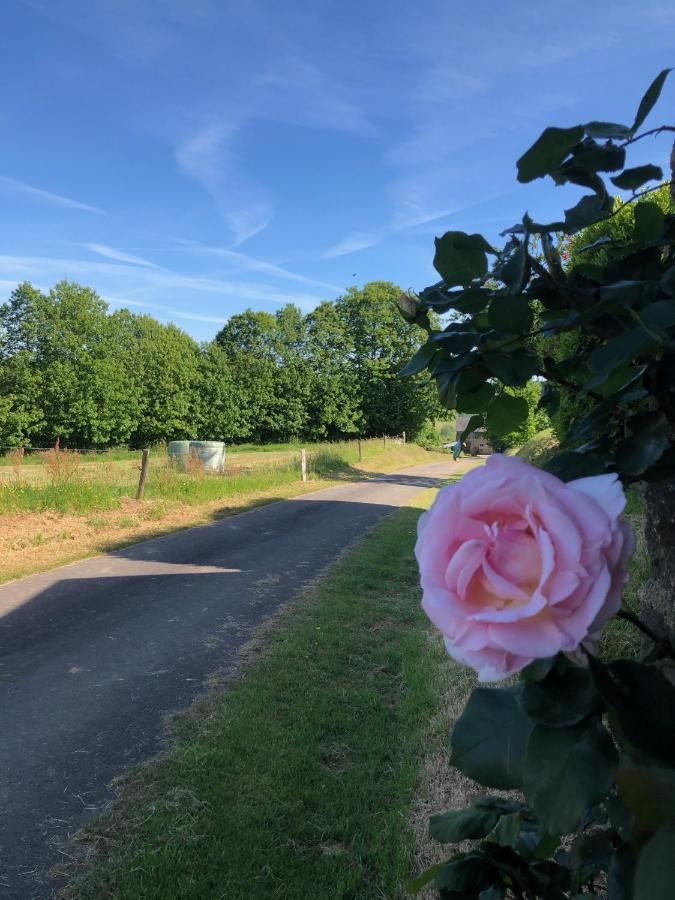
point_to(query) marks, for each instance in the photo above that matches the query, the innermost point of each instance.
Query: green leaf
(651, 96)
(416, 885)
(538, 669)
(492, 893)
(511, 315)
(567, 772)
(447, 391)
(643, 701)
(419, 361)
(460, 257)
(599, 157)
(658, 316)
(571, 464)
(648, 791)
(563, 698)
(475, 401)
(490, 738)
(590, 209)
(647, 445)
(514, 369)
(620, 875)
(514, 268)
(649, 221)
(463, 824)
(548, 152)
(506, 413)
(668, 282)
(632, 179)
(590, 854)
(655, 870)
(474, 422)
(608, 130)
(604, 360)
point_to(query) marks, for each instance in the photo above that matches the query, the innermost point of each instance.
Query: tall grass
(69, 483)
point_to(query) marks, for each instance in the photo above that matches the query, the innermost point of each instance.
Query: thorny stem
(647, 134)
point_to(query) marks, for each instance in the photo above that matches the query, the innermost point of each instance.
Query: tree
(612, 795)
(378, 343)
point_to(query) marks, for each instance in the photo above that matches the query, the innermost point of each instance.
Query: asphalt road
(94, 655)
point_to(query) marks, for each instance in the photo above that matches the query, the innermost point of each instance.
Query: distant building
(477, 443)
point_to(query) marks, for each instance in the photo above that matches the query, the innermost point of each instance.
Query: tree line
(70, 369)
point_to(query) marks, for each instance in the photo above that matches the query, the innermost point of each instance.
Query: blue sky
(190, 158)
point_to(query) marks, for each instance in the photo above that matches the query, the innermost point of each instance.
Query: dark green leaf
(618, 351)
(549, 399)
(599, 157)
(514, 369)
(416, 885)
(564, 697)
(455, 339)
(648, 791)
(548, 152)
(506, 413)
(655, 869)
(567, 772)
(538, 669)
(644, 702)
(621, 874)
(600, 242)
(632, 179)
(668, 282)
(447, 391)
(490, 738)
(463, 872)
(607, 130)
(475, 401)
(651, 96)
(649, 221)
(419, 361)
(511, 315)
(647, 445)
(591, 208)
(492, 893)
(460, 257)
(658, 316)
(591, 854)
(514, 268)
(463, 824)
(474, 422)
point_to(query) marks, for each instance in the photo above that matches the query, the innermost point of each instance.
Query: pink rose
(516, 564)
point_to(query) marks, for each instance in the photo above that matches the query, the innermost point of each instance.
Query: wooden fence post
(303, 464)
(143, 475)
(360, 451)
(384, 437)
(403, 436)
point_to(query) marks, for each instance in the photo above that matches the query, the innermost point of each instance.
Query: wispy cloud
(20, 187)
(120, 256)
(145, 279)
(163, 308)
(357, 240)
(207, 157)
(251, 264)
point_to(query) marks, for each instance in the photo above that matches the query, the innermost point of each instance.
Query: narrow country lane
(94, 655)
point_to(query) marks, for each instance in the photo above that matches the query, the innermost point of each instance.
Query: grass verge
(34, 541)
(296, 782)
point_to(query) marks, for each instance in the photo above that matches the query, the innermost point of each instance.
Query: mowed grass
(66, 483)
(297, 781)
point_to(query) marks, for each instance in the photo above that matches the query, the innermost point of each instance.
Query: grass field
(298, 782)
(46, 521)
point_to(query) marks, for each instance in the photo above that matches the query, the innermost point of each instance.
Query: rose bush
(516, 564)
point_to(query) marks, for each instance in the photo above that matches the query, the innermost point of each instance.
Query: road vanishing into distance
(95, 655)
